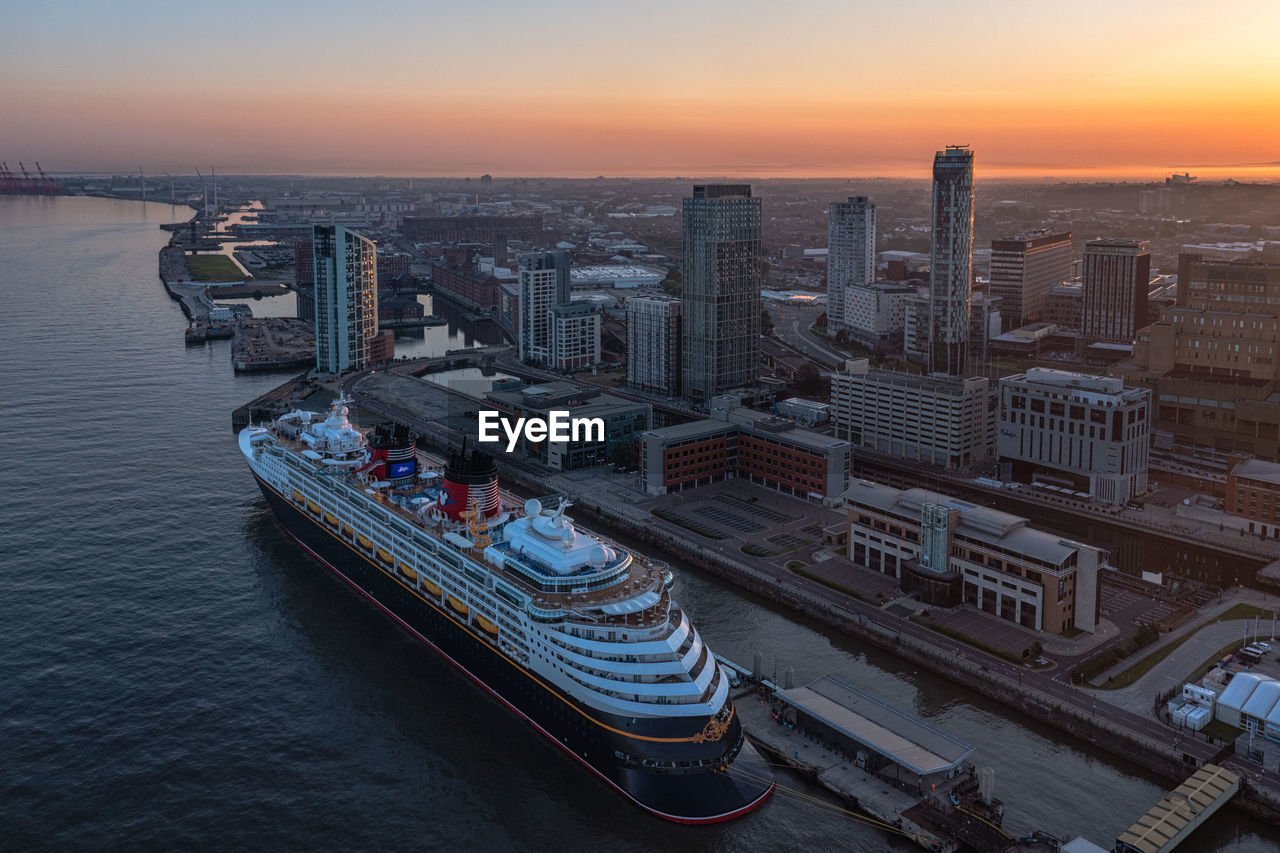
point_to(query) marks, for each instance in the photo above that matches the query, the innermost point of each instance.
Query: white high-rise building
(346, 297)
(544, 284)
(851, 254)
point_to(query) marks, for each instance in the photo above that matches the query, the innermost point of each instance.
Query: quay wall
(1160, 757)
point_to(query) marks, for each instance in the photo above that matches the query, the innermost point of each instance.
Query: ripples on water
(177, 675)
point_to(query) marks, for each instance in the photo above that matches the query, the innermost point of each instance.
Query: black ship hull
(680, 769)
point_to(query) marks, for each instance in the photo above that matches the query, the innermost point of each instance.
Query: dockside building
(951, 552)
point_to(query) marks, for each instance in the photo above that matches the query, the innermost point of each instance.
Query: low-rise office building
(952, 552)
(738, 442)
(935, 420)
(1090, 434)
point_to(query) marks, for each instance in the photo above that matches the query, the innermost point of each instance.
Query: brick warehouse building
(739, 442)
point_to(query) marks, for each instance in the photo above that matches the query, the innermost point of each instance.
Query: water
(177, 675)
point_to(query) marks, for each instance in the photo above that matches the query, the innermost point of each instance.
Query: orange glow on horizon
(1034, 93)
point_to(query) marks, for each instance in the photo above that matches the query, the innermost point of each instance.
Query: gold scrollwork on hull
(712, 731)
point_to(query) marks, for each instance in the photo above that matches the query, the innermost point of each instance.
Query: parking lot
(1129, 607)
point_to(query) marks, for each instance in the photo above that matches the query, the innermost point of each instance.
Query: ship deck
(585, 606)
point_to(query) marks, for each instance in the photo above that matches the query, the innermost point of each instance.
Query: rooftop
(1257, 469)
(909, 742)
(1207, 787)
(985, 524)
(860, 368)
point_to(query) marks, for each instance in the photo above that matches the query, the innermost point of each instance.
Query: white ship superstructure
(578, 620)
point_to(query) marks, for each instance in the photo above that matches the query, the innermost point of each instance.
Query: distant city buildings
(851, 254)
(1115, 279)
(739, 442)
(624, 421)
(1063, 306)
(1088, 434)
(654, 330)
(875, 313)
(544, 283)
(918, 330)
(933, 420)
(462, 281)
(951, 259)
(346, 298)
(575, 335)
(1213, 359)
(1024, 270)
(722, 282)
(1253, 493)
(950, 552)
(483, 229)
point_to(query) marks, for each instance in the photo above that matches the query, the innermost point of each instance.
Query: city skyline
(1160, 87)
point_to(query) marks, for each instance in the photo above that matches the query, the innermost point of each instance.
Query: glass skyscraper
(346, 297)
(951, 260)
(722, 277)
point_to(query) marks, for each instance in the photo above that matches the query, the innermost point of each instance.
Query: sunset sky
(860, 87)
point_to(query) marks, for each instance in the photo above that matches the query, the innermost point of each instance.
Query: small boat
(486, 626)
(330, 519)
(430, 587)
(363, 541)
(347, 531)
(314, 508)
(407, 571)
(458, 607)
(385, 556)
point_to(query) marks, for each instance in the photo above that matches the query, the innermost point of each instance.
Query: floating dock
(1171, 820)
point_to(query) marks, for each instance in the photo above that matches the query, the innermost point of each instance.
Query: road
(791, 324)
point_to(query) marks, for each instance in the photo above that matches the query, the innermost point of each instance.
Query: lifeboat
(458, 607)
(363, 541)
(385, 556)
(331, 519)
(314, 508)
(347, 531)
(486, 626)
(430, 587)
(298, 498)
(407, 571)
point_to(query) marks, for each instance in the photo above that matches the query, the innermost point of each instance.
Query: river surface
(177, 675)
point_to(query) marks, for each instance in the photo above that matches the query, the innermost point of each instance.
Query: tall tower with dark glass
(346, 296)
(951, 260)
(722, 277)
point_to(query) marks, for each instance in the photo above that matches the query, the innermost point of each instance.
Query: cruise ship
(577, 635)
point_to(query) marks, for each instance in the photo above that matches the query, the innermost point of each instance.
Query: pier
(911, 779)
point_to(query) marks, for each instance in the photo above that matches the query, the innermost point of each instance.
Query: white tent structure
(1252, 702)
